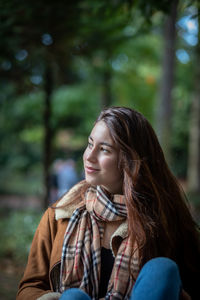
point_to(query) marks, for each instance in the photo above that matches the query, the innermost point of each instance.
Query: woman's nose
(91, 155)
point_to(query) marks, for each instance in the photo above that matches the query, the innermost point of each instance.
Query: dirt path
(20, 202)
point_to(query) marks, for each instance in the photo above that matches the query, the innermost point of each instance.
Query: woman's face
(101, 159)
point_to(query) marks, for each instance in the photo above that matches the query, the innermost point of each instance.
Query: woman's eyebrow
(103, 143)
(106, 144)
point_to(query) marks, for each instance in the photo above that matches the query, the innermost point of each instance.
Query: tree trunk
(194, 134)
(47, 151)
(165, 103)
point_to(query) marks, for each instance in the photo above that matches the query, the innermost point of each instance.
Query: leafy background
(60, 63)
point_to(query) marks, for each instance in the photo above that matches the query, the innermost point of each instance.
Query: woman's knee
(158, 279)
(74, 294)
(163, 266)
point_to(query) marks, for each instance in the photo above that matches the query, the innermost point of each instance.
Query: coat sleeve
(35, 281)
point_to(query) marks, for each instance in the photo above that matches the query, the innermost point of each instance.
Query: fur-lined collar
(66, 213)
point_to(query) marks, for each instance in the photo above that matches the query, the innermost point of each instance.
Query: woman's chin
(91, 181)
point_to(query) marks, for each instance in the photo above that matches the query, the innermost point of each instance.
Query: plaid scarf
(81, 253)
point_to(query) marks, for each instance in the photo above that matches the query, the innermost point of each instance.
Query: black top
(107, 261)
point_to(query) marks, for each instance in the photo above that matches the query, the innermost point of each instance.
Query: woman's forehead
(101, 132)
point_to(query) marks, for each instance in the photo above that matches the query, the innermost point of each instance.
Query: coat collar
(66, 213)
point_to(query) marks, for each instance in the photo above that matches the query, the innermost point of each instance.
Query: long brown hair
(159, 220)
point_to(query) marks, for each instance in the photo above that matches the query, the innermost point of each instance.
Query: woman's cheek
(107, 163)
(85, 155)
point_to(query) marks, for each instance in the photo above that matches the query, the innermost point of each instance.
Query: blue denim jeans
(159, 279)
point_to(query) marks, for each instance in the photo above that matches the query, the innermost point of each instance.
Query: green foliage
(152, 6)
(22, 133)
(17, 229)
(76, 107)
(134, 84)
(80, 41)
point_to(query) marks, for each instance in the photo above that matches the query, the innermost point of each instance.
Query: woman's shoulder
(65, 206)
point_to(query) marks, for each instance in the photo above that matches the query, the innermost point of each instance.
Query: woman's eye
(89, 145)
(104, 150)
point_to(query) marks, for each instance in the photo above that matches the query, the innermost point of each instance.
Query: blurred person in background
(63, 177)
(125, 232)
(66, 176)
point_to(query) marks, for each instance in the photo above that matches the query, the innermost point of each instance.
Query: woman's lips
(90, 170)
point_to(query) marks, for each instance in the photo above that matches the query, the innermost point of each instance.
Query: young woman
(128, 217)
